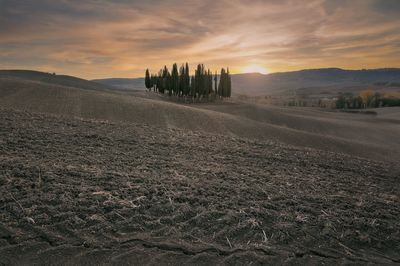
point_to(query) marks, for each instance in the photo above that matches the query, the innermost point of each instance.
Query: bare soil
(82, 191)
(372, 137)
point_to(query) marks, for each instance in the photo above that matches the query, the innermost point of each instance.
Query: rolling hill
(51, 79)
(319, 129)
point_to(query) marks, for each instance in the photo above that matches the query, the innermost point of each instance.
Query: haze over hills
(286, 82)
(334, 79)
(123, 83)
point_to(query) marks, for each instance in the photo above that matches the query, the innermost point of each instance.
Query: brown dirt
(76, 191)
(373, 137)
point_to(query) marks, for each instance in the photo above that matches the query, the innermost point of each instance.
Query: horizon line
(240, 73)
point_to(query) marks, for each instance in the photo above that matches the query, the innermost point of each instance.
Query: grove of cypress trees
(180, 83)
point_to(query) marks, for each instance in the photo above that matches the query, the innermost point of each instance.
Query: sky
(121, 38)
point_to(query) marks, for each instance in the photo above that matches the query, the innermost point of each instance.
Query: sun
(255, 69)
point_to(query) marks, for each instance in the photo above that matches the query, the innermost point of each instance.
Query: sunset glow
(255, 69)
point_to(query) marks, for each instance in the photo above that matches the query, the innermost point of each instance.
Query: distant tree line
(203, 84)
(366, 99)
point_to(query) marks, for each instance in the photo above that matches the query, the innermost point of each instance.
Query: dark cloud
(387, 7)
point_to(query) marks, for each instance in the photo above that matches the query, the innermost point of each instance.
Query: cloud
(98, 38)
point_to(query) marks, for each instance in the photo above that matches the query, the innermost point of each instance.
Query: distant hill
(123, 83)
(49, 78)
(311, 81)
(286, 82)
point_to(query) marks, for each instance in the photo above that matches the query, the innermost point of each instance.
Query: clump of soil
(76, 191)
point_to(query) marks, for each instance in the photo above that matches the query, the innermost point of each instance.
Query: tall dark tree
(169, 84)
(341, 102)
(193, 87)
(159, 83)
(198, 81)
(166, 80)
(216, 83)
(377, 99)
(181, 80)
(222, 83)
(211, 80)
(187, 80)
(228, 84)
(147, 80)
(153, 80)
(175, 79)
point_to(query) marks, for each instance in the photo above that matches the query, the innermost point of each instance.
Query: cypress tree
(210, 82)
(197, 81)
(203, 80)
(156, 82)
(228, 84)
(222, 83)
(181, 80)
(175, 79)
(159, 84)
(153, 82)
(169, 84)
(207, 83)
(225, 85)
(187, 80)
(147, 80)
(166, 80)
(216, 82)
(200, 80)
(193, 87)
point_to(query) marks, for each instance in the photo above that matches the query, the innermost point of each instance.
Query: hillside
(336, 132)
(53, 79)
